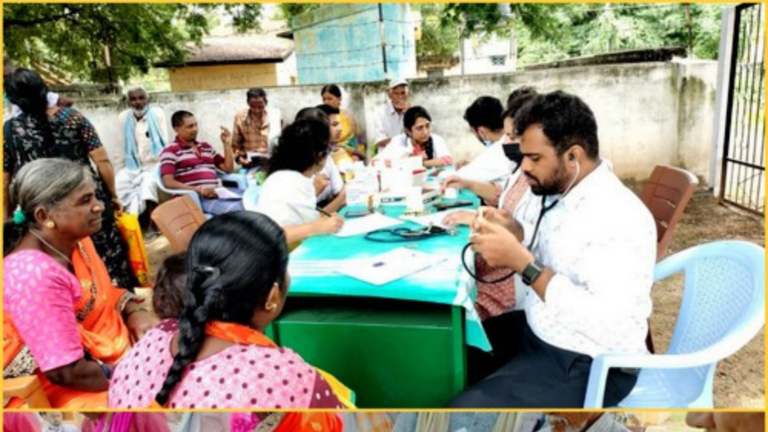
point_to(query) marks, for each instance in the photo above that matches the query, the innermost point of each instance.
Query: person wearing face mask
(584, 245)
(144, 136)
(495, 293)
(485, 121)
(581, 422)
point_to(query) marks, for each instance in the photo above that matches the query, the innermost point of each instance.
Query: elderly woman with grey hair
(53, 279)
(51, 132)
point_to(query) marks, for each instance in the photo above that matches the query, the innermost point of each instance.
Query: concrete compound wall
(647, 113)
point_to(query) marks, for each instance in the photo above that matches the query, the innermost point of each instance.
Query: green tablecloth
(312, 269)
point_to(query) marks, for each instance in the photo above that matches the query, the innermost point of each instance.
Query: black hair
(409, 119)
(177, 119)
(32, 188)
(328, 110)
(26, 89)
(171, 281)
(565, 119)
(255, 93)
(332, 89)
(413, 114)
(520, 96)
(302, 145)
(312, 113)
(485, 111)
(233, 262)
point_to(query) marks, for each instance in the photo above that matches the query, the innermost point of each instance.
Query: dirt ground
(740, 379)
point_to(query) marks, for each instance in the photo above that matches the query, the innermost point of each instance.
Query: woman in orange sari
(64, 321)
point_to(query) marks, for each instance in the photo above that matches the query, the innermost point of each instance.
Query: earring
(50, 224)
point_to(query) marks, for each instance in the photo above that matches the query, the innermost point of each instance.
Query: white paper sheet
(226, 194)
(389, 266)
(367, 224)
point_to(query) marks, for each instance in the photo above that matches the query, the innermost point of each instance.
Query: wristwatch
(532, 272)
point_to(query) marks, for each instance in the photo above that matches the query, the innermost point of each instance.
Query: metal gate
(743, 163)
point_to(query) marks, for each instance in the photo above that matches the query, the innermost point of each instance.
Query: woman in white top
(418, 140)
(288, 195)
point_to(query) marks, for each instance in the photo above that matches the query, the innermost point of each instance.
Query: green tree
(78, 37)
(548, 32)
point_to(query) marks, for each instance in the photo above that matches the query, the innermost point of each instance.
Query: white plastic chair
(239, 179)
(723, 308)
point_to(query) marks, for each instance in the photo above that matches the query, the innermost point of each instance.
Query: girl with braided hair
(216, 354)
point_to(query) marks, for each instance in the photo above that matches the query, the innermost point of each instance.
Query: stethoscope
(399, 235)
(545, 208)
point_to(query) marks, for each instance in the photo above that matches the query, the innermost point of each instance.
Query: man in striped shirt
(190, 164)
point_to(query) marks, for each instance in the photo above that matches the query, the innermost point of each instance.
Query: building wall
(220, 77)
(342, 43)
(647, 113)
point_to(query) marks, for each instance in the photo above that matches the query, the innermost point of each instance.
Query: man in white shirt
(585, 246)
(484, 117)
(389, 118)
(144, 135)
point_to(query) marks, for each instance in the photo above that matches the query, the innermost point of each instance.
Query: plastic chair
(27, 391)
(723, 308)
(251, 197)
(178, 219)
(666, 195)
(239, 179)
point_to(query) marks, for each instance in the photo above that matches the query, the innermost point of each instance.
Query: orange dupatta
(247, 336)
(100, 324)
(310, 422)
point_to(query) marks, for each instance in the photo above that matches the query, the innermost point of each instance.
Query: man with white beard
(581, 422)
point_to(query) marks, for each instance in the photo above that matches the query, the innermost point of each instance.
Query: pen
(379, 264)
(323, 211)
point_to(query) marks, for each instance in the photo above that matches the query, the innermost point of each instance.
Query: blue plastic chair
(238, 179)
(723, 308)
(251, 197)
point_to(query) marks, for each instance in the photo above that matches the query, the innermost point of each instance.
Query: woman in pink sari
(125, 422)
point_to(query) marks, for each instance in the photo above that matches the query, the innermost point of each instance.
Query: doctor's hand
(498, 246)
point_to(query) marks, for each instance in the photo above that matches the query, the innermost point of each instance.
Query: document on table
(367, 224)
(226, 194)
(434, 219)
(390, 266)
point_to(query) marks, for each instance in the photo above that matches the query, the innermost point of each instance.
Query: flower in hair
(18, 216)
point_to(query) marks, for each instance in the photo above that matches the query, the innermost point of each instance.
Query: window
(498, 60)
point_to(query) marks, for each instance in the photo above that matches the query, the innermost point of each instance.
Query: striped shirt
(193, 168)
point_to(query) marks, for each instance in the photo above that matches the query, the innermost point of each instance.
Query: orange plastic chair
(666, 195)
(178, 219)
(27, 390)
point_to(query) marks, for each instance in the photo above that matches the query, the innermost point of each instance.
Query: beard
(554, 185)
